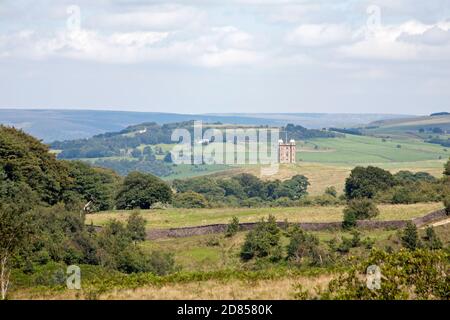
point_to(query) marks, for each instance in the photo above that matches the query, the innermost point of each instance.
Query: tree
(366, 182)
(431, 239)
(359, 209)
(232, 228)
(92, 184)
(331, 191)
(447, 204)
(263, 241)
(136, 226)
(447, 169)
(141, 190)
(190, 199)
(294, 188)
(304, 246)
(13, 233)
(168, 157)
(25, 160)
(410, 237)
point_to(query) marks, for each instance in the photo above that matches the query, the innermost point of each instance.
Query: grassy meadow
(177, 217)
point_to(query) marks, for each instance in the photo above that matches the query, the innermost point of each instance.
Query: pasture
(176, 217)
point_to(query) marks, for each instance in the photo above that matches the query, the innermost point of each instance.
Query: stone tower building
(286, 151)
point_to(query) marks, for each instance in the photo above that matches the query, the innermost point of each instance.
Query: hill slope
(51, 125)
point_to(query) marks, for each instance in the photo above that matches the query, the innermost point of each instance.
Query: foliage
(419, 274)
(447, 168)
(431, 239)
(92, 184)
(190, 199)
(26, 164)
(13, 234)
(263, 241)
(359, 209)
(136, 226)
(232, 228)
(141, 190)
(447, 204)
(304, 247)
(244, 189)
(331, 191)
(366, 182)
(125, 166)
(410, 237)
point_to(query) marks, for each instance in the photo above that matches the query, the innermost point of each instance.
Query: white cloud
(316, 35)
(156, 17)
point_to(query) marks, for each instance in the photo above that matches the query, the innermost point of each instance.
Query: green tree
(92, 184)
(136, 226)
(431, 239)
(366, 182)
(331, 191)
(141, 190)
(410, 237)
(294, 188)
(447, 203)
(190, 199)
(232, 228)
(359, 209)
(25, 160)
(263, 241)
(304, 247)
(447, 168)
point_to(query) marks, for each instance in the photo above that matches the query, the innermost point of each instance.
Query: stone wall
(310, 226)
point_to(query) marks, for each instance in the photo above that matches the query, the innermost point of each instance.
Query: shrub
(447, 168)
(349, 220)
(359, 209)
(331, 191)
(304, 246)
(233, 227)
(136, 226)
(161, 263)
(420, 274)
(263, 241)
(447, 204)
(431, 240)
(410, 237)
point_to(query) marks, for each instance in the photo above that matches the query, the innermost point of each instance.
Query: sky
(241, 56)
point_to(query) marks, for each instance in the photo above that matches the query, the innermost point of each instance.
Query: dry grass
(322, 176)
(280, 289)
(277, 289)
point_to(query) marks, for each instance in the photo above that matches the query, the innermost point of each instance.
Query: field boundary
(185, 232)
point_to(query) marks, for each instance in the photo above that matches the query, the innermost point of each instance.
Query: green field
(353, 150)
(171, 218)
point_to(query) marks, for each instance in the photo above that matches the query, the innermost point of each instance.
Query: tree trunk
(4, 276)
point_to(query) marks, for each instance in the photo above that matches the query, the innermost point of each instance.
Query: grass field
(171, 218)
(353, 150)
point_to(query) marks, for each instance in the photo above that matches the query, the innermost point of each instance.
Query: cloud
(155, 17)
(434, 36)
(315, 35)
(409, 41)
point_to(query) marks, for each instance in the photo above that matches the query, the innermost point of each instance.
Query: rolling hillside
(419, 127)
(51, 125)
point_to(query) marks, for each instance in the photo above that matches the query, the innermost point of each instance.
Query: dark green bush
(263, 241)
(233, 227)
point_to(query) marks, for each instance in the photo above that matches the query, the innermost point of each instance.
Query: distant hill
(433, 129)
(51, 125)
